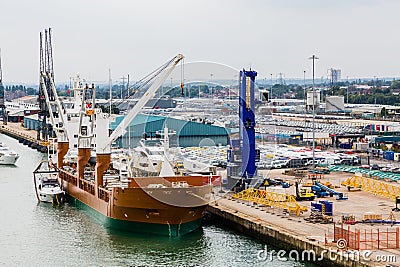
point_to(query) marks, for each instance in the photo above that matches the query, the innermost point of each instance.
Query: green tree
(395, 84)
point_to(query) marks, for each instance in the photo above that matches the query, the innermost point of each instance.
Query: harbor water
(35, 234)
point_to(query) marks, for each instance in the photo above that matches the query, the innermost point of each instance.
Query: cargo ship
(170, 205)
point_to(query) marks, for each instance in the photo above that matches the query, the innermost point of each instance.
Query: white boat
(7, 156)
(148, 158)
(48, 188)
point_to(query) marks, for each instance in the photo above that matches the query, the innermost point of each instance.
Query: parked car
(375, 167)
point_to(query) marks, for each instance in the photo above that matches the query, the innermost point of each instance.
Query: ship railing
(87, 186)
(68, 177)
(104, 194)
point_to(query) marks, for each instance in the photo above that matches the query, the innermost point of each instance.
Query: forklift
(397, 201)
(303, 193)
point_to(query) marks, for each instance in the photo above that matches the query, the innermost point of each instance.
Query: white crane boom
(61, 130)
(150, 93)
(46, 95)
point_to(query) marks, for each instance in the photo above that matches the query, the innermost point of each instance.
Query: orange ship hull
(145, 205)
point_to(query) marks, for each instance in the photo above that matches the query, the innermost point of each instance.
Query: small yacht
(48, 188)
(149, 157)
(7, 156)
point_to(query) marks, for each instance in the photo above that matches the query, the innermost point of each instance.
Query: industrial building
(188, 133)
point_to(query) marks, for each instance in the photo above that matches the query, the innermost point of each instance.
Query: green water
(34, 234)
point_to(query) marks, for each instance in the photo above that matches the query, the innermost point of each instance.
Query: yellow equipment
(273, 199)
(45, 143)
(303, 193)
(376, 187)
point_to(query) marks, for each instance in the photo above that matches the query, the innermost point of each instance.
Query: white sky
(361, 37)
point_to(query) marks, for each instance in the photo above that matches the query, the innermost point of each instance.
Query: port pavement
(17, 131)
(291, 232)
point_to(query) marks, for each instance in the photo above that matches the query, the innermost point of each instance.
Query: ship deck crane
(104, 140)
(105, 146)
(48, 98)
(49, 101)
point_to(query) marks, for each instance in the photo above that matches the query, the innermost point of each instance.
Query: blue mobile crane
(322, 190)
(242, 155)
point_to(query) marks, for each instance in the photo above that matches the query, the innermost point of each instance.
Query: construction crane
(2, 96)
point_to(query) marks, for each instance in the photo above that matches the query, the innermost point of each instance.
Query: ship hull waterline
(174, 230)
(139, 211)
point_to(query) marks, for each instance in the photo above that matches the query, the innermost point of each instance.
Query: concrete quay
(284, 232)
(25, 136)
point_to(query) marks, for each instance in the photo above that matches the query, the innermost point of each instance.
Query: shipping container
(360, 146)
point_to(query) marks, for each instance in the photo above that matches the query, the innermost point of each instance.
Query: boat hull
(143, 210)
(8, 159)
(51, 198)
(172, 230)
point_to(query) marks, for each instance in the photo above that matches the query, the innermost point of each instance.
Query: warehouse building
(188, 133)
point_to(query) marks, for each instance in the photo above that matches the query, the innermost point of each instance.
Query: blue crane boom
(340, 196)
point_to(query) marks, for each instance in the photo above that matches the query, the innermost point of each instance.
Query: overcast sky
(361, 37)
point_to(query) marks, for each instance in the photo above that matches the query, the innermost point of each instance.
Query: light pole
(212, 95)
(347, 90)
(374, 89)
(313, 57)
(305, 98)
(271, 87)
(265, 88)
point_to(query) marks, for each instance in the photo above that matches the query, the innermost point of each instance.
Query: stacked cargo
(389, 155)
(345, 145)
